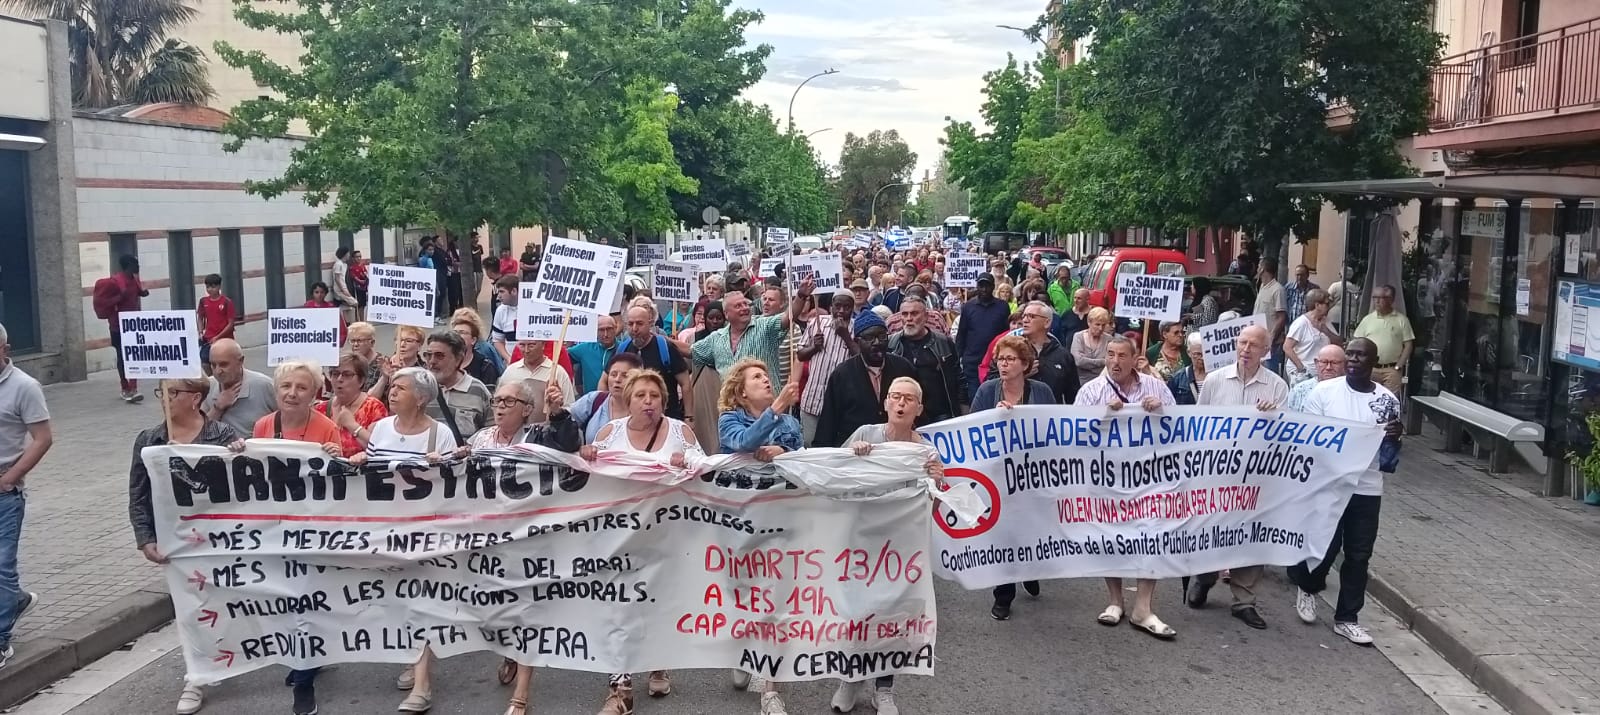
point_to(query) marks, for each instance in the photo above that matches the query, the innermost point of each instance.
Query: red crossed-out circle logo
(963, 478)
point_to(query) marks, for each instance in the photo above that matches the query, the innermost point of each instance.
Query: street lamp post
(874, 211)
(823, 73)
(819, 131)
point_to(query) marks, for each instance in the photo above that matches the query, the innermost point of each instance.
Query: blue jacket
(739, 431)
(979, 326)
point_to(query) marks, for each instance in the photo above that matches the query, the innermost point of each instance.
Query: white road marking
(70, 692)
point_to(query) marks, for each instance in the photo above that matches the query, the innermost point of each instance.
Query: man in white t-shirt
(503, 326)
(1359, 399)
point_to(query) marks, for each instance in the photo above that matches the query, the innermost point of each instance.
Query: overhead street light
(823, 73)
(874, 212)
(819, 131)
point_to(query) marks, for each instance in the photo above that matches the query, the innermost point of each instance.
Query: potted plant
(1589, 464)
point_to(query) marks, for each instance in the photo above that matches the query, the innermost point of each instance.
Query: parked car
(1114, 261)
(1049, 256)
(1234, 292)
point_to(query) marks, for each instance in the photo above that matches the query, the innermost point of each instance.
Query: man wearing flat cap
(859, 386)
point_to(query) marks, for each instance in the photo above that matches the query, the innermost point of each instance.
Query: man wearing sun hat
(858, 387)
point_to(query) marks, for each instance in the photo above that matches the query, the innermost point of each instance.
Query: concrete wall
(24, 83)
(140, 181)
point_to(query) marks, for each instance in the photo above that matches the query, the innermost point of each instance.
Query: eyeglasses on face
(174, 391)
(1007, 358)
(507, 401)
(344, 374)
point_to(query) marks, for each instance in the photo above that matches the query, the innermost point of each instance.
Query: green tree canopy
(981, 160)
(868, 164)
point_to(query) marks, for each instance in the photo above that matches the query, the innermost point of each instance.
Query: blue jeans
(12, 507)
(969, 379)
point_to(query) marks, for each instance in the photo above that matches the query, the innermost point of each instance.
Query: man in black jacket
(1056, 366)
(859, 386)
(934, 360)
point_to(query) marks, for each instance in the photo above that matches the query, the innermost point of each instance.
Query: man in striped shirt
(745, 336)
(828, 343)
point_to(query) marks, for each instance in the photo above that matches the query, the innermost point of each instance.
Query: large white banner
(816, 566)
(402, 295)
(1081, 491)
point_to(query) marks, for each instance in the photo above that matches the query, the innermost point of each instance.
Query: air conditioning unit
(1437, 162)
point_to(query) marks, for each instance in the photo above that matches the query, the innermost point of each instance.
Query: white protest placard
(709, 255)
(303, 334)
(780, 242)
(961, 271)
(1149, 297)
(826, 269)
(769, 267)
(649, 254)
(402, 295)
(739, 252)
(673, 281)
(1221, 340)
(543, 321)
(584, 277)
(1074, 492)
(280, 556)
(860, 240)
(162, 344)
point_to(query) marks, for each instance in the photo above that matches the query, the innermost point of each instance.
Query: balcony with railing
(1537, 88)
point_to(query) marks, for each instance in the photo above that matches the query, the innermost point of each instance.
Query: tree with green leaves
(981, 160)
(868, 164)
(456, 113)
(1194, 111)
(939, 198)
(749, 170)
(121, 53)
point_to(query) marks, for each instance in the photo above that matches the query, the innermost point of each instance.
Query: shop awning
(1476, 186)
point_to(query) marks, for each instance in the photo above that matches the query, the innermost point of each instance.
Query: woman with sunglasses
(350, 407)
(186, 424)
(513, 405)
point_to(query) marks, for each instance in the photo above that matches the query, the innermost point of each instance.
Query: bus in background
(958, 228)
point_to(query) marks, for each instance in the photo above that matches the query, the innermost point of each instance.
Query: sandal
(1154, 627)
(416, 703)
(507, 672)
(518, 706)
(1110, 617)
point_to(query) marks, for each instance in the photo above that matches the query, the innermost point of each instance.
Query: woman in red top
(319, 299)
(351, 407)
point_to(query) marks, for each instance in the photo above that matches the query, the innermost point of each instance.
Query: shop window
(180, 269)
(272, 255)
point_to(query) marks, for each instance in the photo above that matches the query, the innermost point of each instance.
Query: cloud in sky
(903, 64)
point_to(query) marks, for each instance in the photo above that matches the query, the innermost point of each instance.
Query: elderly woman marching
(757, 421)
(408, 433)
(904, 406)
(298, 383)
(513, 405)
(186, 423)
(644, 429)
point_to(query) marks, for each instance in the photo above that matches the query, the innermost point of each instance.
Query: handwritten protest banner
(826, 269)
(1221, 340)
(281, 556)
(962, 271)
(649, 254)
(401, 295)
(303, 334)
(1149, 297)
(159, 343)
(1074, 492)
(739, 252)
(707, 255)
(580, 276)
(542, 321)
(676, 282)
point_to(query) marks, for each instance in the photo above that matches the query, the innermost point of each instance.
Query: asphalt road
(1051, 657)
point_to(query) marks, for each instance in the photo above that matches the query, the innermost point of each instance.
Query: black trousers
(1005, 593)
(1356, 536)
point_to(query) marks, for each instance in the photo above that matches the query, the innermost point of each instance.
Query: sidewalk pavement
(1505, 584)
(96, 592)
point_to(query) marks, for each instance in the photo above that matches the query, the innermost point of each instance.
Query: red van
(1101, 276)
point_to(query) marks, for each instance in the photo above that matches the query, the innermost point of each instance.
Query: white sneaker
(1353, 632)
(191, 700)
(844, 699)
(1305, 606)
(772, 704)
(739, 679)
(883, 701)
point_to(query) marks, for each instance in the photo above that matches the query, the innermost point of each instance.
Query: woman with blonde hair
(361, 339)
(483, 361)
(1089, 345)
(408, 340)
(644, 429)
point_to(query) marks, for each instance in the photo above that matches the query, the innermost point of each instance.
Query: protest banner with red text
(1075, 492)
(281, 556)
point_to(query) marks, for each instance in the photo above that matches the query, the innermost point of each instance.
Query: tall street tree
(981, 158)
(869, 163)
(1235, 102)
(121, 53)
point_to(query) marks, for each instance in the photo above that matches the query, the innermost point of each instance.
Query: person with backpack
(114, 295)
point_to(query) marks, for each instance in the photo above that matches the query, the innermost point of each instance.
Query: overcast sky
(903, 64)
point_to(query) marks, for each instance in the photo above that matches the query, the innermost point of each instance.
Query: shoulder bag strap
(449, 419)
